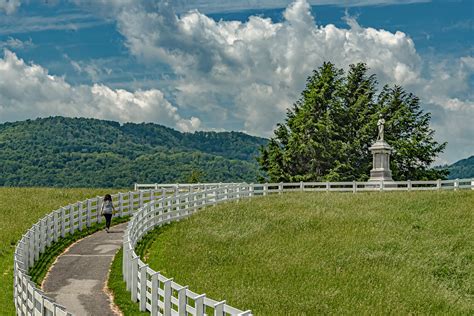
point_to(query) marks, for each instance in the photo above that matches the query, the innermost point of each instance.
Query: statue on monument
(380, 125)
(381, 156)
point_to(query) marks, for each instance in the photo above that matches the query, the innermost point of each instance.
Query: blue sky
(232, 65)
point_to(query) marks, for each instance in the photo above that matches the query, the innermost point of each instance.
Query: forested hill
(79, 152)
(462, 169)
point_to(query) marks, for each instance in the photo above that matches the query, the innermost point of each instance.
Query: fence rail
(154, 205)
(350, 186)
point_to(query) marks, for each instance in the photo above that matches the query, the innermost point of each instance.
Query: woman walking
(107, 210)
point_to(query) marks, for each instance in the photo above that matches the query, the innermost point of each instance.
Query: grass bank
(328, 253)
(19, 209)
(118, 288)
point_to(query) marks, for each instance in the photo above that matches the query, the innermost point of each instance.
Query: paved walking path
(78, 278)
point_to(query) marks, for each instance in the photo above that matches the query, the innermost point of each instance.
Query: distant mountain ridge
(83, 152)
(463, 169)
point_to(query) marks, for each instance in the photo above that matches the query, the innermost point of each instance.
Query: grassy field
(19, 209)
(328, 253)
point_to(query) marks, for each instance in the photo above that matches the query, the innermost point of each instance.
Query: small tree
(196, 176)
(328, 131)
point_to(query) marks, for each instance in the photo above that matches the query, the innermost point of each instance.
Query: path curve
(78, 278)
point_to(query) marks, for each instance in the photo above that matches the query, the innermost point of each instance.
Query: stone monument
(381, 156)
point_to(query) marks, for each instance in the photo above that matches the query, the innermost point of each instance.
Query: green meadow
(19, 209)
(327, 253)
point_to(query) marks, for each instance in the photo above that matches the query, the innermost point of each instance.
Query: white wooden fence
(156, 206)
(29, 300)
(155, 292)
(161, 295)
(352, 186)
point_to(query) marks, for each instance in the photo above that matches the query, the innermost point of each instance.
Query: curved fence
(29, 300)
(155, 292)
(161, 295)
(156, 206)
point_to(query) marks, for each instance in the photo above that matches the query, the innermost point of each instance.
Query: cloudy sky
(230, 64)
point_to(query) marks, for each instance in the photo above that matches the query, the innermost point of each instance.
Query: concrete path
(78, 278)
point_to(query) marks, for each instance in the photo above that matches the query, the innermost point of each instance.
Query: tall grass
(19, 209)
(328, 253)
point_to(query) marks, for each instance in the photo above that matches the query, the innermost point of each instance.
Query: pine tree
(328, 131)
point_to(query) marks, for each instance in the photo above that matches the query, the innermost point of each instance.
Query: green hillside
(79, 152)
(462, 169)
(397, 253)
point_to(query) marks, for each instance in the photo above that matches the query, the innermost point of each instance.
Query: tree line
(79, 152)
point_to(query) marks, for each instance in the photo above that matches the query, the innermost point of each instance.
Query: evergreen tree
(328, 131)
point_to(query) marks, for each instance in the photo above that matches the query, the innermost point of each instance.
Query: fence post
(89, 209)
(219, 308)
(130, 203)
(42, 236)
(44, 233)
(409, 185)
(129, 268)
(41, 301)
(63, 222)
(167, 297)
(140, 198)
(328, 186)
(472, 185)
(176, 200)
(55, 225)
(37, 231)
(154, 293)
(71, 219)
(143, 281)
(134, 279)
(301, 186)
(199, 304)
(152, 195)
(79, 215)
(280, 188)
(120, 206)
(354, 187)
(226, 193)
(382, 185)
(265, 189)
(456, 184)
(182, 301)
(50, 237)
(438, 184)
(124, 260)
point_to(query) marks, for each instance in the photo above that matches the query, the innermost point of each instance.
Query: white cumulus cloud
(9, 6)
(258, 68)
(28, 91)
(15, 44)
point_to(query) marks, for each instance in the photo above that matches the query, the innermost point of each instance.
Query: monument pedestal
(381, 162)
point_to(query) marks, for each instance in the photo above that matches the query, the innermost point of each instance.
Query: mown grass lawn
(328, 253)
(19, 209)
